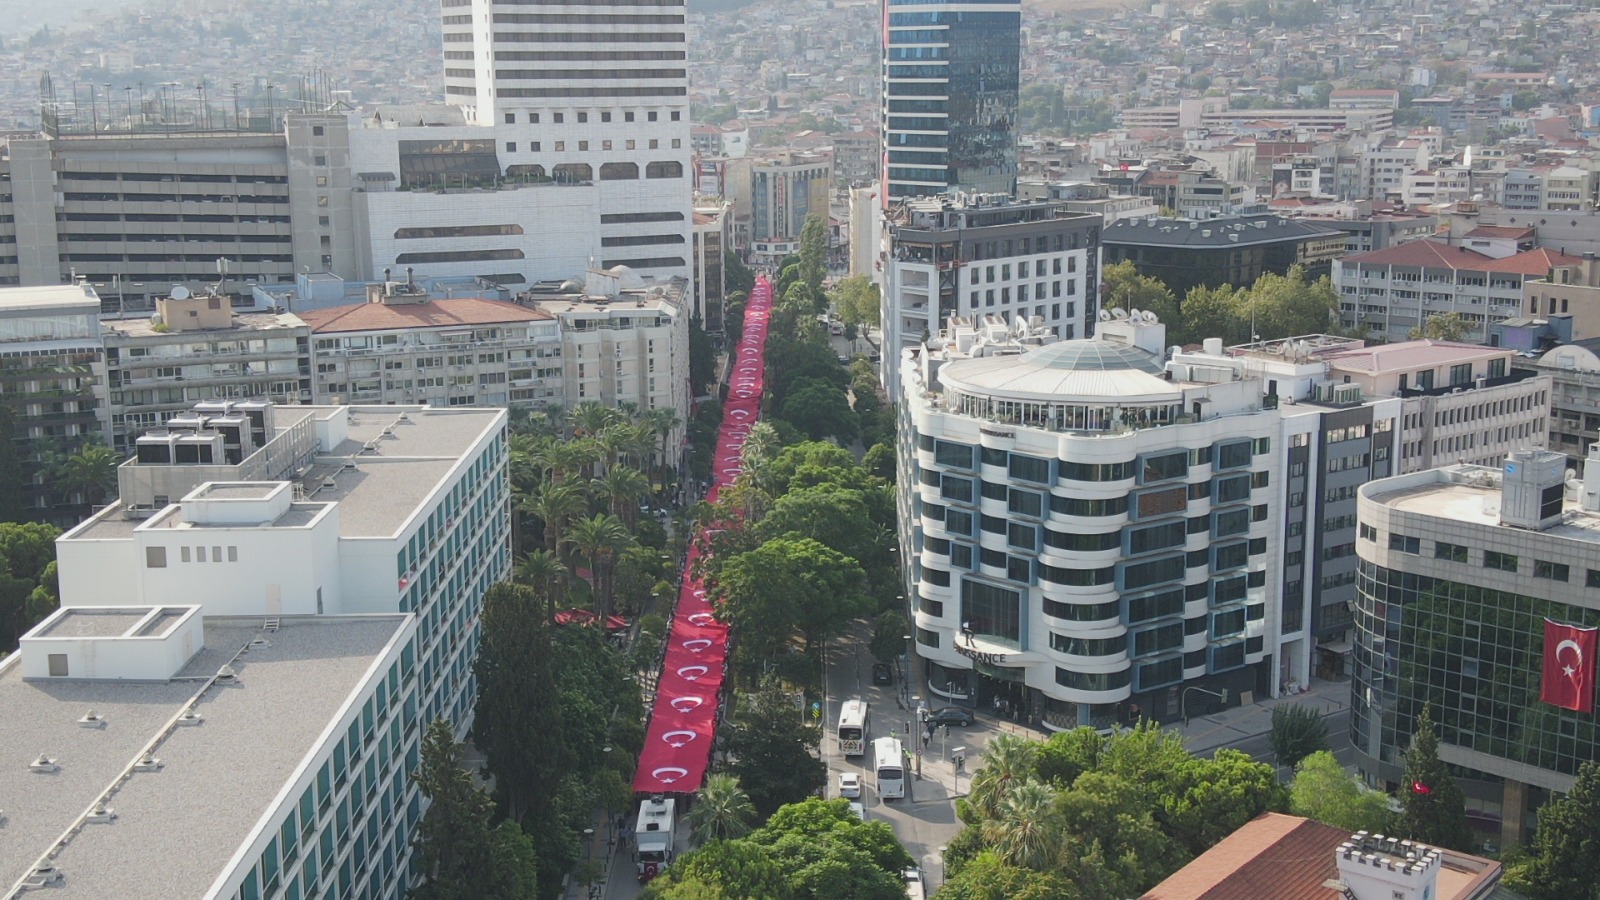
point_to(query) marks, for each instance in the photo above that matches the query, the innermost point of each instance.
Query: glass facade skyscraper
(950, 73)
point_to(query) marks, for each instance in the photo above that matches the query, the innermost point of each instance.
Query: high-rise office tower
(950, 74)
(595, 93)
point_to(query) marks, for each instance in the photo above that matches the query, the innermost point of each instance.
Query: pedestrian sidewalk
(1239, 723)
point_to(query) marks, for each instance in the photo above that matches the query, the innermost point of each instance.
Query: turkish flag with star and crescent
(1569, 658)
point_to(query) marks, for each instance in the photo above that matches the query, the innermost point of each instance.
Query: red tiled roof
(437, 313)
(1274, 855)
(1437, 255)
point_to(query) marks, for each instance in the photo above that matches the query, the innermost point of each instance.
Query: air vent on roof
(329, 482)
(388, 429)
(260, 644)
(226, 673)
(370, 445)
(44, 765)
(101, 815)
(92, 719)
(190, 717)
(350, 463)
(44, 876)
(148, 763)
(405, 417)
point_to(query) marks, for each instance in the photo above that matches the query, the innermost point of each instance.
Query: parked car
(849, 784)
(951, 715)
(882, 673)
(858, 810)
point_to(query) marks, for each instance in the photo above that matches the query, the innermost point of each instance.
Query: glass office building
(1450, 608)
(950, 78)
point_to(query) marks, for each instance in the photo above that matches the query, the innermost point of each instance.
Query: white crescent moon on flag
(1572, 670)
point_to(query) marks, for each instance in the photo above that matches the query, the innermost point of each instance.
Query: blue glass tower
(950, 73)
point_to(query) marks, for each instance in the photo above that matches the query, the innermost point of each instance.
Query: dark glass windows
(991, 612)
(1162, 467)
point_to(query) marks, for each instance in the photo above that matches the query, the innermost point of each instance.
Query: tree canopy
(1433, 807)
(1110, 815)
(771, 747)
(1567, 842)
(1324, 791)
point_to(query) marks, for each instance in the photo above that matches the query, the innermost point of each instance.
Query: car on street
(951, 715)
(849, 784)
(882, 673)
(857, 810)
(844, 360)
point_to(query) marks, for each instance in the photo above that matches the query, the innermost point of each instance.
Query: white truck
(653, 838)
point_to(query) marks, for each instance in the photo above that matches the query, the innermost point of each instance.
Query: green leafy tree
(721, 811)
(91, 472)
(1119, 848)
(771, 747)
(736, 276)
(829, 853)
(989, 877)
(857, 300)
(544, 573)
(554, 503)
(821, 410)
(880, 461)
(621, 488)
(788, 585)
(458, 855)
(814, 251)
(1433, 808)
(1210, 312)
(1209, 799)
(888, 635)
(1297, 732)
(1124, 288)
(1567, 842)
(28, 587)
(1324, 791)
(1445, 326)
(723, 870)
(519, 706)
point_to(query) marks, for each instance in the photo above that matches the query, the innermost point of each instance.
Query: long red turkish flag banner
(1569, 664)
(683, 724)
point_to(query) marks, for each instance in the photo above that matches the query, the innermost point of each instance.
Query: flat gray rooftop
(176, 829)
(79, 623)
(237, 490)
(1479, 505)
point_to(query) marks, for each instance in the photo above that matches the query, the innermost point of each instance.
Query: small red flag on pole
(1418, 787)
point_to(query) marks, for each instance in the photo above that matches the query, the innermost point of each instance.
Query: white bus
(889, 765)
(853, 727)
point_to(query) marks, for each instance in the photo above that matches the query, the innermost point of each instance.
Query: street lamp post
(1184, 704)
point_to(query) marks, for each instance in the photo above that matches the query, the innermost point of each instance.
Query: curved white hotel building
(1087, 532)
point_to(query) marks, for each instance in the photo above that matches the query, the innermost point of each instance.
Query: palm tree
(639, 445)
(722, 810)
(590, 417)
(543, 571)
(92, 472)
(573, 458)
(1027, 831)
(622, 488)
(554, 504)
(600, 539)
(662, 420)
(1008, 762)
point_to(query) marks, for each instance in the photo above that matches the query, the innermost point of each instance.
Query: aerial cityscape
(917, 448)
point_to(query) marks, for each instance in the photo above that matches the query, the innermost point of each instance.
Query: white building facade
(1083, 536)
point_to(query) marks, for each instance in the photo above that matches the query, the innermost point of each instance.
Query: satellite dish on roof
(1105, 315)
(179, 292)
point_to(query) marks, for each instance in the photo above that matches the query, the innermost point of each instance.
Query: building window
(316, 130)
(991, 612)
(1405, 544)
(605, 117)
(58, 665)
(511, 146)
(155, 557)
(583, 117)
(1494, 559)
(511, 118)
(1543, 568)
(627, 117)
(1451, 552)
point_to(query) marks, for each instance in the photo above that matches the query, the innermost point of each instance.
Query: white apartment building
(593, 94)
(1388, 292)
(195, 646)
(622, 342)
(1384, 168)
(713, 239)
(985, 255)
(197, 348)
(402, 347)
(1084, 531)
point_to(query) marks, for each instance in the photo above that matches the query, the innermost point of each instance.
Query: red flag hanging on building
(1569, 660)
(1418, 787)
